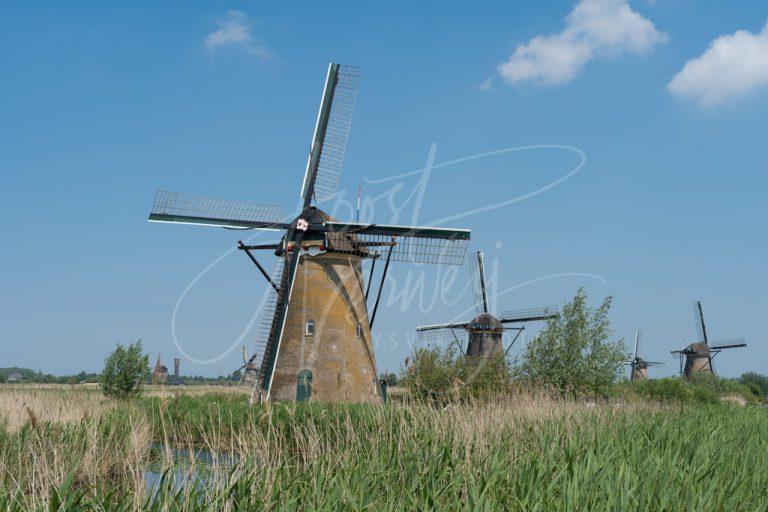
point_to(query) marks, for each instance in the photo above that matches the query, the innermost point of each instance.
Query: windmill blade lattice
(479, 285)
(411, 244)
(698, 319)
(179, 208)
(275, 338)
(443, 333)
(329, 143)
(264, 326)
(637, 343)
(529, 315)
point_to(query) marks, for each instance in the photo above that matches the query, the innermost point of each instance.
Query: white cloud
(594, 28)
(733, 66)
(486, 85)
(235, 31)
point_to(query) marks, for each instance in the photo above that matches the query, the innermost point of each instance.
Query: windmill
(697, 357)
(638, 365)
(314, 340)
(160, 372)
(484, 333)
(250, 372)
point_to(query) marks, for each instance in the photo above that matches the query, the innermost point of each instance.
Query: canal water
(196, 466)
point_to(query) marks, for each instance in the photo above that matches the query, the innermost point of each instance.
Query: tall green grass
(526, 453)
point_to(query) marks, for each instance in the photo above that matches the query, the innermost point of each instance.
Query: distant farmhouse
(15, 377)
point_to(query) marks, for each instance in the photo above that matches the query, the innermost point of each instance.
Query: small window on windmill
(310, 328)
(359, 330)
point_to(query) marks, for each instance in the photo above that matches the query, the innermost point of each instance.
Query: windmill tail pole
(242, 247)
(381, 286)
(370, 279)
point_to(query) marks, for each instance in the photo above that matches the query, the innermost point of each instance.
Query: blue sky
(102, 104)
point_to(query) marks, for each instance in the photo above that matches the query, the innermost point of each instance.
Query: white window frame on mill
(309, 328)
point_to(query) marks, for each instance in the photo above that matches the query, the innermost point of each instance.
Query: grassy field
(71, 449)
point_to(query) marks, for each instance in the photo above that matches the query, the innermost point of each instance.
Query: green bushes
(758, 384)
(444, 374)
(703, 388)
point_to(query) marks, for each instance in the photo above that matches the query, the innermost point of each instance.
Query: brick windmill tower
(697, 357)
(639, 366)
(160, 372)
(314, 341)
(484, 333)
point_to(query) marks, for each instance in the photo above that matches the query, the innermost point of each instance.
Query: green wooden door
(304, 387)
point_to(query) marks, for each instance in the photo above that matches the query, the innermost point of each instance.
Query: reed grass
(525, 452)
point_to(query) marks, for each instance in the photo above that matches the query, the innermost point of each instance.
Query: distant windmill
(638, 365)
(250, 372)
(484, 333)
(314, 341)
(697, 357)
(160, 372)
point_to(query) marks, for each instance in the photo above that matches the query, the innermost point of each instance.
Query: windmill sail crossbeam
(188, 209)
(529, 315)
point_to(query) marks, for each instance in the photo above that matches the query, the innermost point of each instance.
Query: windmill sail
(529, 315)
(281, 314)
(178, 208)
(637, 343)
(732, 343)
(329, 141)
(479, 285)
(443, 332)
(256, 360)
(698, 318)
(412, 244)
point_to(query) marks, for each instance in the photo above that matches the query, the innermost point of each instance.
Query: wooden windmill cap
(345, 242)
(485, 322)
(699, 349)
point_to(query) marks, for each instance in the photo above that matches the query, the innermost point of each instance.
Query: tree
(573, 353)
(757, 383)
(124, 371)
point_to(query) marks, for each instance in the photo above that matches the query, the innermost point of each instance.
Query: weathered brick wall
(484, 343)
(329, 290)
